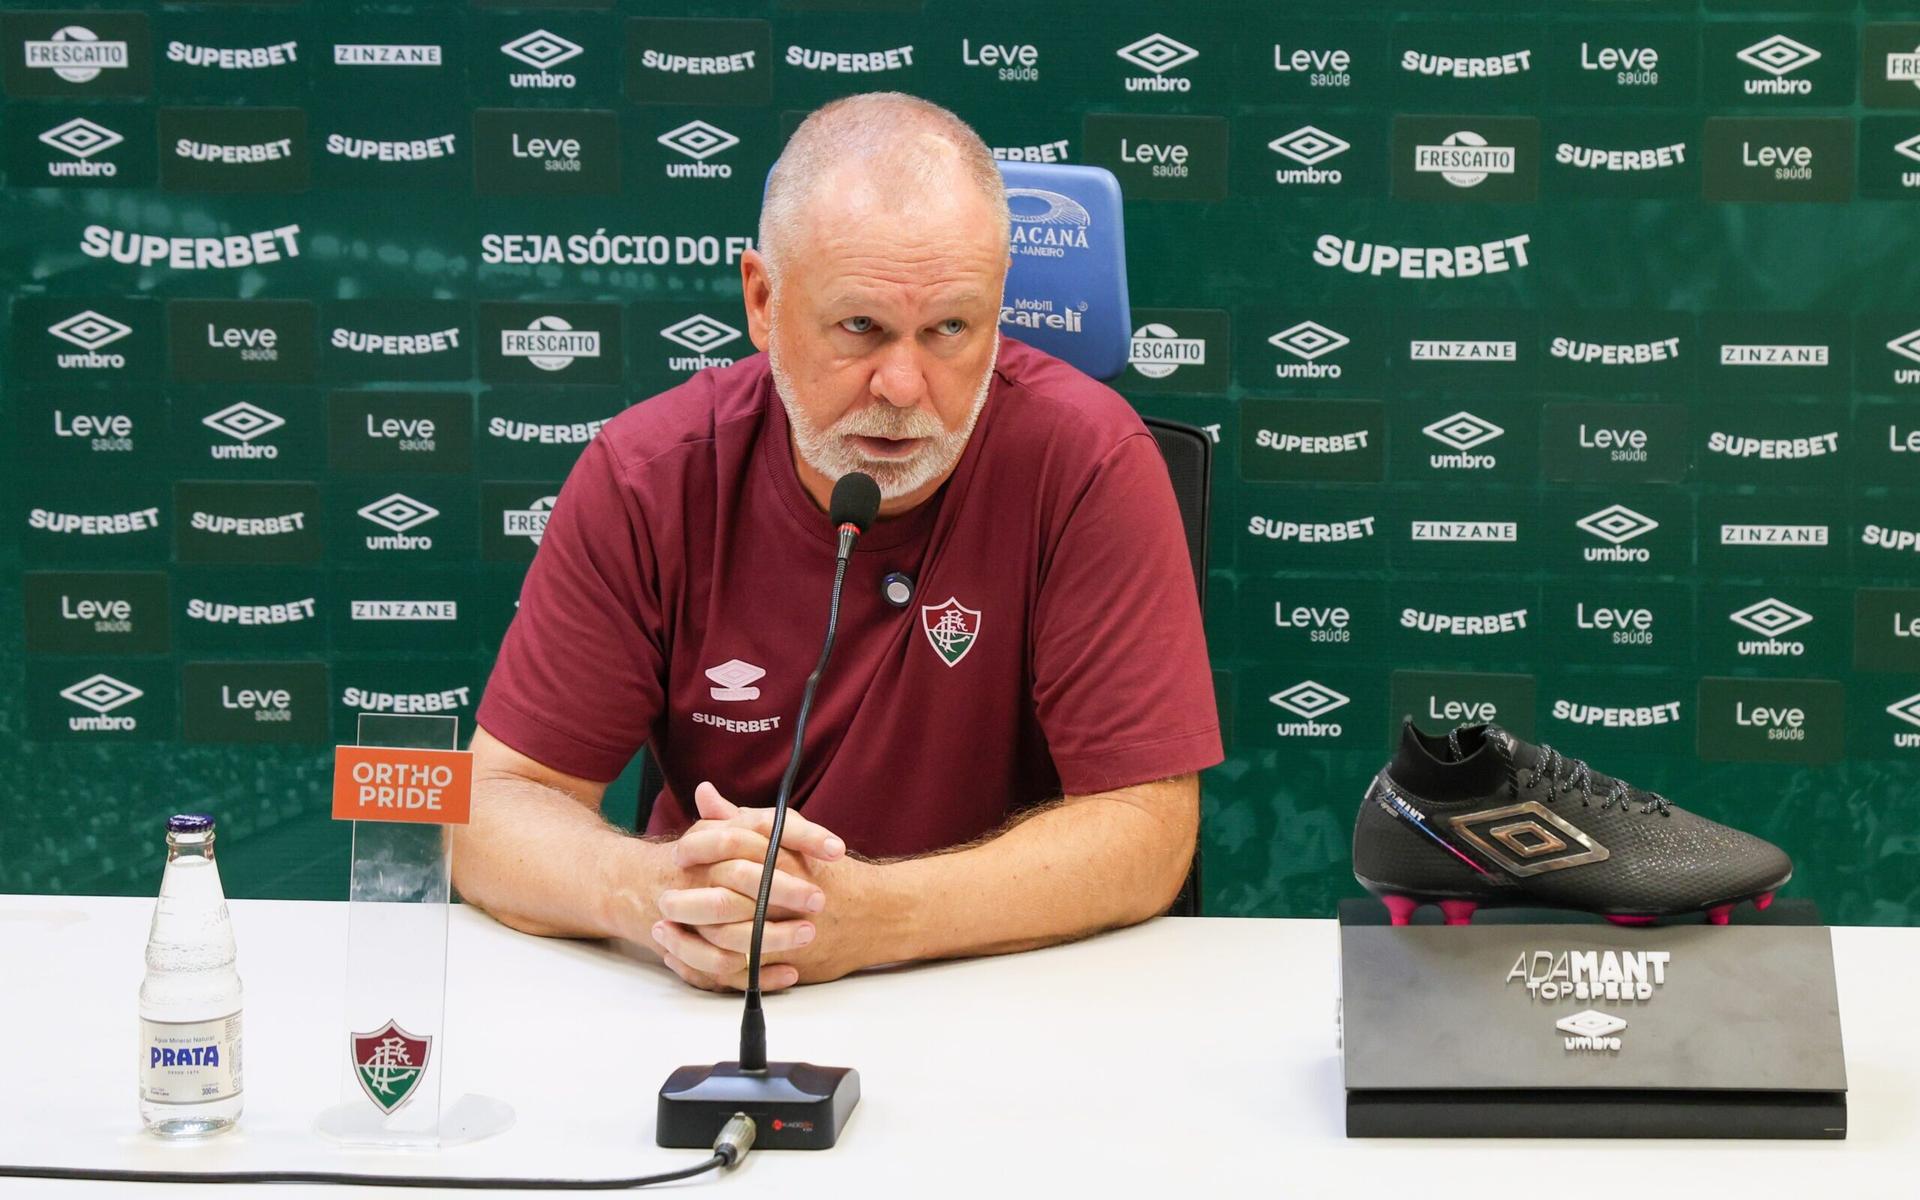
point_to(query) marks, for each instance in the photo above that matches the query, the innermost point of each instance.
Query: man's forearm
(1094, 863)
(542, 862)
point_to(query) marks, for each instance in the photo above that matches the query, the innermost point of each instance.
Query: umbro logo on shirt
(731, 679)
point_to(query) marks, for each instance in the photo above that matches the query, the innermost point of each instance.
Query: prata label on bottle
(190, 1062)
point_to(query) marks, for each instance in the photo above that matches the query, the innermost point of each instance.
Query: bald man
(1008, 761)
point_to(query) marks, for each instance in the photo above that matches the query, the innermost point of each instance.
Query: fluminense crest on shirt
(952, 628)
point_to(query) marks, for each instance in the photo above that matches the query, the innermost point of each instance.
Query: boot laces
(1578, 776)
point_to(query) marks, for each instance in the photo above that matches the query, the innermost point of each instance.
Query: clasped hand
(706, 916)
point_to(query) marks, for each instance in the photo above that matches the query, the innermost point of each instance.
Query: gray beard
(830, 453)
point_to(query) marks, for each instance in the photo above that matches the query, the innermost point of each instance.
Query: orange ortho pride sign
(385, 783)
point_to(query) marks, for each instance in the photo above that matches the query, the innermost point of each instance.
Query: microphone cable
(729, 1150)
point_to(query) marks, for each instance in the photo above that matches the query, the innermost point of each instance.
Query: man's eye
(952, 326)
(857, 324)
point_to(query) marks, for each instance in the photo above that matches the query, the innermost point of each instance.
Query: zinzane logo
(76, 54)
(1778, 56)
(92, 332)
(101, 694)
(81, 139)
(372, 54)
(1772, 619)
(1465, 433)
(1157, 54)
(698, 141)
(273, 705)
(1046, 224)
(542, 51)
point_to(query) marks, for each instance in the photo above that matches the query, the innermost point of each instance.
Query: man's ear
(756, 292)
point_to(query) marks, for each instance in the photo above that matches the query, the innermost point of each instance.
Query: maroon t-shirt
(1052, 644)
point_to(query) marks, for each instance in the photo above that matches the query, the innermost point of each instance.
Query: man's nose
(898, 379)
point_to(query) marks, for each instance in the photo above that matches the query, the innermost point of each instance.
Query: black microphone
(796, 1106)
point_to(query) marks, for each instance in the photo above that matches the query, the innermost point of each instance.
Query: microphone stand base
(794, 1106)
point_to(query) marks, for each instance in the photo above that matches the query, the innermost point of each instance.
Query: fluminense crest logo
(550, 343)
(90, 330)
(1308, 341)
(700, 333)
(951, 628)
(81, 138)
(76, 54)
(389, 1064)
(541, 50)
(1591, 1030)
(731, 680)
(1779, 55)
(1309, 146)
(1310, 699)
(1159, 54)
(243, 422)
(1464, 159)
(1771, 617)
(529, 522)
(1158, 350)
(101, 693)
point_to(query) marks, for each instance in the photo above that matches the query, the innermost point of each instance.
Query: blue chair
(1067, 287)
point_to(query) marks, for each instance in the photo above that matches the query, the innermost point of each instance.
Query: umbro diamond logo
(1308, 340)
(1907, 345)
(700, 333)
(541, 50)
(399, 512)
(698, 140)
(1779, 55)
(1309, 146)
(1617, 523)
(731, 678)
(1911, 147)
(1591, 1023)
(1463, 431)
(1907, 710)
(1527, 838)
(81, 138)
(1770, 618)
(90, 331)
(1309, 699)
(101, 693)
(243, 422)
(1158, 53)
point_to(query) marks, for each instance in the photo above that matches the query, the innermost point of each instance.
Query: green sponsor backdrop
(1563, 361)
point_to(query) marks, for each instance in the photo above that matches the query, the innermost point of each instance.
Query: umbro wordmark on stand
(1478, 818)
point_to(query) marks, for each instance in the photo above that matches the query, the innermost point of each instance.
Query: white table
(1183, 1057)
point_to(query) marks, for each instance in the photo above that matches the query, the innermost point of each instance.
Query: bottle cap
(190, 823)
